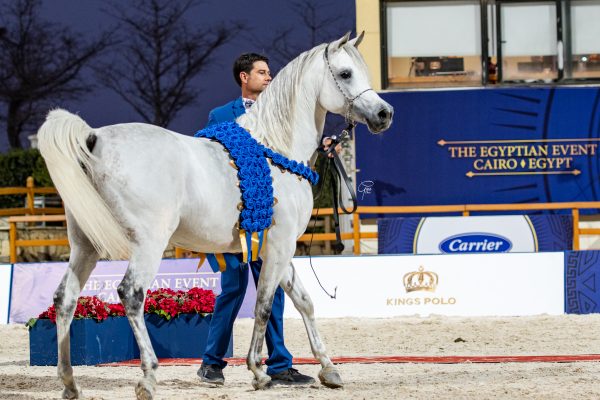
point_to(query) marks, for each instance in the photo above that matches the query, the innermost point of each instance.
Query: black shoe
(211, 373)
(291, 376)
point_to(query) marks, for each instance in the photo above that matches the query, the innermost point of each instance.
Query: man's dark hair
(244, 63)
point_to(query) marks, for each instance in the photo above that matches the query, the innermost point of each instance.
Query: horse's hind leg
(81, 263)
(295, 290)
(143, 266)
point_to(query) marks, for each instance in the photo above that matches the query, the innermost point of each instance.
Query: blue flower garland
(254, 173)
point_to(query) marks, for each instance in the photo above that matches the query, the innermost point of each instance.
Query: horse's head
(346, 89)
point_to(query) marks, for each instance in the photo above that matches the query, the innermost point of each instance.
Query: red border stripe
(389, 360)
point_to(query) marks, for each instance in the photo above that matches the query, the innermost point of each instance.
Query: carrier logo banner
(482, 146)
(457, 284)
(475, 243)
(33, 285)
(477, 234)
(485, 234)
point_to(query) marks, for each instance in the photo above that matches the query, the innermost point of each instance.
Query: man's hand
(327, 142)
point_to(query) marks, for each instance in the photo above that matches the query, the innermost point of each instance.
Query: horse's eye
(345, 74)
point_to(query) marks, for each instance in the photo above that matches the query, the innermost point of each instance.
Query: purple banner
(33, 285)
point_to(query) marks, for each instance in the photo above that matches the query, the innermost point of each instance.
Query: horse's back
(164, 180)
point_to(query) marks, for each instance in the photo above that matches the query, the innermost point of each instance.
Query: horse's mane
(271, 118)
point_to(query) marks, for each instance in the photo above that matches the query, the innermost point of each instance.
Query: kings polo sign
(444, 284)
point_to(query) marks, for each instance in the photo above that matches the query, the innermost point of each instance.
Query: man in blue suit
(251, 72)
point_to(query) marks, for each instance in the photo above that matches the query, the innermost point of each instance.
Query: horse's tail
(63, 142)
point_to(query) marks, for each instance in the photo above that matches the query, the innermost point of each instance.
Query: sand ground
(540, 335)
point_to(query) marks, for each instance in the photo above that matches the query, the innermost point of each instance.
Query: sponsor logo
(420, 281)
(417, 301)
(475, 243)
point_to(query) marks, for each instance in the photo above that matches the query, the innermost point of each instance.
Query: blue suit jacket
(227, 112)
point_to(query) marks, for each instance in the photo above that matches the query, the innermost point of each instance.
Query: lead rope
(333, 165)
(336, 188)
(310, 260)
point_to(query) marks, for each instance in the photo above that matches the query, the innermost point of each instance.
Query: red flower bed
(167, 303)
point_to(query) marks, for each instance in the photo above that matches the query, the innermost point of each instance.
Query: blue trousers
(234, 281)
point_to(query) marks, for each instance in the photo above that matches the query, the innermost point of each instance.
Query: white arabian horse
(131, 189)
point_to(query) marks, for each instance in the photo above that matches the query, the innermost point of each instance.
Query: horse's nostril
(383, 114)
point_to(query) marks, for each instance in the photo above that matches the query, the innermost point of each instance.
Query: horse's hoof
(262, 383)
(144, 390)
(72, 393)
(330, 378)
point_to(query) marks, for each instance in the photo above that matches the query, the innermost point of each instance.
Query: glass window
(529, 41)
(432, 43)
(585, 31)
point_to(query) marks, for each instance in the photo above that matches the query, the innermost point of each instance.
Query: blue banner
(582, 294)
(514, 145)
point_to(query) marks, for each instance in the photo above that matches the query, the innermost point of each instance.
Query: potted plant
(99, 333)
(177, 323)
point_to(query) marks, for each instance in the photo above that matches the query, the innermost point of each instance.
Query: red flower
(116, 310)
(165, 302)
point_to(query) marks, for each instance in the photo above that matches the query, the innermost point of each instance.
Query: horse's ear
(356, 41)
(335, 45)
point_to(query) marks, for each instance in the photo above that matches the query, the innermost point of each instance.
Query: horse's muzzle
(381, 120)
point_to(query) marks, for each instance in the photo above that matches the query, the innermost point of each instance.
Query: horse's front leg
(277, 257)
(290, 282)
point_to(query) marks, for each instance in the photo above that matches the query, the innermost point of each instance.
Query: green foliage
(31, 323)
(325, 200)
(15, 167)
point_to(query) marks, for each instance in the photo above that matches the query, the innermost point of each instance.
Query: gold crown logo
(420, 280)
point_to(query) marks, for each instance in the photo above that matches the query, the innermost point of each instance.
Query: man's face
(258, 78)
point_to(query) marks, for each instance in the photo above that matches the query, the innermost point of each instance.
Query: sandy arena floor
(543, 335)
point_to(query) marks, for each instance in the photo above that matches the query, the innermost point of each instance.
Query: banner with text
(448, 284)
(509, 145)
(33, 285)
(475, 234)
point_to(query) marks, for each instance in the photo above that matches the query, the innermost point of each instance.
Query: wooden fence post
(30, 200)
(575, 213)
(12, 240)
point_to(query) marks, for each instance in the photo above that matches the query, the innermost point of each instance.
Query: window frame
(563, 34)
(559, 38)
(384, 39)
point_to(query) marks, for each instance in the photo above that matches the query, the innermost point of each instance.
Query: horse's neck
(307, 120)
(307, 127)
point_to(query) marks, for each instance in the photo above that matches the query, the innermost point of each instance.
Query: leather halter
(348, 100)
